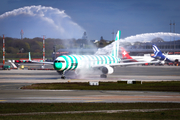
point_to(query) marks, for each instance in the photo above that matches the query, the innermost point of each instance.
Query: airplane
(80, 63)
(126, 56)
(165, 58)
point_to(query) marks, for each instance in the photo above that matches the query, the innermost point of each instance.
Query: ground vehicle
(5, 67)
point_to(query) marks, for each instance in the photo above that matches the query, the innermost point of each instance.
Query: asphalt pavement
(11, 81)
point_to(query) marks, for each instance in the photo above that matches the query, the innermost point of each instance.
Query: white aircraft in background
(126, 56)
(165, 58)
(80, 63)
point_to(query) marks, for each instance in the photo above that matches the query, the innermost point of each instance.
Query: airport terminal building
(172, 47)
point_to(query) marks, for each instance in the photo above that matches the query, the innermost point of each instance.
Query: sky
(71, 18)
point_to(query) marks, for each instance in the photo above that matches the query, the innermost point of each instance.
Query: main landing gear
(103, 76)
(63, 75)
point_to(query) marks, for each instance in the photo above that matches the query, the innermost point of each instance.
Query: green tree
(12, 50)
(27, 47)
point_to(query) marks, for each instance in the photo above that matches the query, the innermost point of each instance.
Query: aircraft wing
(51, 63)
(125, 60)
(125, 64)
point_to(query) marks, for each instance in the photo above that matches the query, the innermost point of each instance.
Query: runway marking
(94, 101)
(94, 111)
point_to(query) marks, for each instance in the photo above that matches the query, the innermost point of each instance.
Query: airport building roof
(164, 46)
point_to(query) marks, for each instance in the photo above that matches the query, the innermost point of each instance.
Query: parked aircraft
(126, 56)
(80, 63)
(165, 58)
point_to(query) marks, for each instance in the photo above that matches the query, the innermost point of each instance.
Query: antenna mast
(43, 48)
(174, 32)
(3, 50)
(22, 33)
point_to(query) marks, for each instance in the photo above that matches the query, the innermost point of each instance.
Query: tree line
(17, 48)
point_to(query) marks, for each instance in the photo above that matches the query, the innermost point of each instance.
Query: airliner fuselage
(72, 62)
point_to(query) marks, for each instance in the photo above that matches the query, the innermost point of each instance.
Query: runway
(11, 81)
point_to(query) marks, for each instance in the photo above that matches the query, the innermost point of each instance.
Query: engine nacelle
(162, 62)
(107, 70)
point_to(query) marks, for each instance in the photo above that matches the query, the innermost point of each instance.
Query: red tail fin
(125, 55)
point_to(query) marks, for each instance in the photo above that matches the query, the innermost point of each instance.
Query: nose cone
(57, 66)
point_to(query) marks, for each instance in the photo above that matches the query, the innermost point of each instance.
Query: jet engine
(107, 70)
(162, 62)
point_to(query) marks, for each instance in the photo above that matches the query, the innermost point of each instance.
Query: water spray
(147, 37)
(54, 22)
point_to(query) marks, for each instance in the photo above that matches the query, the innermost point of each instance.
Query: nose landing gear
(63, 77)
(62, 73)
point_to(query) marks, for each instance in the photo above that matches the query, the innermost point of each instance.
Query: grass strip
(60, 107)
(172, 86)
(162, 115)
(56, 107)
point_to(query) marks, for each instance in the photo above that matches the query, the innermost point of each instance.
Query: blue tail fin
(115, 51)
(158, 54)
(157, 51)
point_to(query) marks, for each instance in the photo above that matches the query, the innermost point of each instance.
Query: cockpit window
(59, 61)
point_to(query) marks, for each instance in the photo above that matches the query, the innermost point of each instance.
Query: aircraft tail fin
(115, 51)
(125, 54)
(30, 56)
(14, 66)
(157, 52)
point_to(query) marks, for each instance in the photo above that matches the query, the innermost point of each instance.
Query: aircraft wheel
(103, 76)
(63, 77)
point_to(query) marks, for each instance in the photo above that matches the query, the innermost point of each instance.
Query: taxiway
(11, 81)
